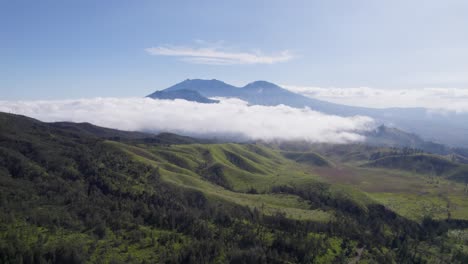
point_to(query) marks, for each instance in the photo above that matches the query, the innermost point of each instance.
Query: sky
(55, 50)
(442, 100)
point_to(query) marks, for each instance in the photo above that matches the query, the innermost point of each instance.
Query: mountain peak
(261, 84)
(201, 81)
(199, 85)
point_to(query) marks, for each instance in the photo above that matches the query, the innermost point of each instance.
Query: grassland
(245, 174)
(410, 193)
(178, 164)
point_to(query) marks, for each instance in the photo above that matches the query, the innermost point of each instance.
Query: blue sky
(75, 49)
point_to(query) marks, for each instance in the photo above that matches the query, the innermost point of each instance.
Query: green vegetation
(418, 163)
(411, 183)
(310, 158)
(76, 193)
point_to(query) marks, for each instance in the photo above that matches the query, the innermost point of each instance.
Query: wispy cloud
(229, 118)
(218, 55)
(446, 99)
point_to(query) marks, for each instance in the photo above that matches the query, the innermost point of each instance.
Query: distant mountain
(446, 128)
(262, 93)
(189, 95)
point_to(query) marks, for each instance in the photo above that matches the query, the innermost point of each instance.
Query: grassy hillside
(76, 193)
(418, 163)
(412, 183)
(310, 158)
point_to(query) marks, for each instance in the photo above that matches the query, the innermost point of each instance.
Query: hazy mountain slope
(393, 137)
(447, 128)
(418, 163)
(189, 95)
(310, 158)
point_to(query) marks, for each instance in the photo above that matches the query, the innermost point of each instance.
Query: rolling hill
(418, 163)
(74, 193)
(393, 137)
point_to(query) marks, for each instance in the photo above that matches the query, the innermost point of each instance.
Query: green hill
(77, 193)
(310, 158)
(419, 163)
(460, 174)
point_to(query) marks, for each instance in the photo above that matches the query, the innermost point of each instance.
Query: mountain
(189, 95)
(79, 193)
(445, 128)
(208, 88)
(260, 93)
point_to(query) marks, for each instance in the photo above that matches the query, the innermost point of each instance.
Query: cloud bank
(229, 117)
(445, 99)
(218, 55)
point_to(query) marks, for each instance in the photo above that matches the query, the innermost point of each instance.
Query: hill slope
(392, 137)
(419, 163)
(68, 195)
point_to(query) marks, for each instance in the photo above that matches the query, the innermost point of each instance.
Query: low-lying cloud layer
(446, 99)
(231, 117)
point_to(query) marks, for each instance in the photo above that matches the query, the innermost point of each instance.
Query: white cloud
(446, 99)
(218, 55)
(230, 117)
